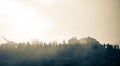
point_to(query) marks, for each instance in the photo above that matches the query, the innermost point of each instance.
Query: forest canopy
(77, 52)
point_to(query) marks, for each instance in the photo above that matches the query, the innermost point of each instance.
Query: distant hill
(88, 40)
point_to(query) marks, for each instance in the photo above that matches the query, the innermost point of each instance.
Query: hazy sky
(22, 20)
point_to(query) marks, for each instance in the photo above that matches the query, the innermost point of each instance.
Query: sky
(47, 20)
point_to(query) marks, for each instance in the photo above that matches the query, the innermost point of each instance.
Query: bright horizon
(49, 20)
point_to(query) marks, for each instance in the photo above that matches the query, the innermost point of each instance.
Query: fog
(77, 52)
(23, 20)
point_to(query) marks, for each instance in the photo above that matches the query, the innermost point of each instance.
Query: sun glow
(48, 20)
(30, 26)
(24, 23)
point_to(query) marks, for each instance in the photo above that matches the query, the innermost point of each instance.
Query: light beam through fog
(47, 20)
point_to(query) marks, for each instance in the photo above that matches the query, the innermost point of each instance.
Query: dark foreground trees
(53, 54)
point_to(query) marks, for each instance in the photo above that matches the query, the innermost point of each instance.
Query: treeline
(36, 53)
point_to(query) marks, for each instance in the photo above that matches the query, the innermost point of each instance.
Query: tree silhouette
(77, 52)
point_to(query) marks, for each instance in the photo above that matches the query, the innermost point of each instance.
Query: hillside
(86, 52)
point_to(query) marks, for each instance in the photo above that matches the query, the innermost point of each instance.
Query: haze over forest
(47, 20)
(84, 52)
